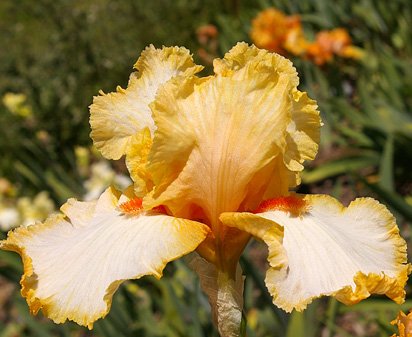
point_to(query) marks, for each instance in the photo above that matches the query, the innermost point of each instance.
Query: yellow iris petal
(243, 59)
(404, 323)
(303, 131)
(219, 141)
(136, 160)
(210, 143)
(116, 117)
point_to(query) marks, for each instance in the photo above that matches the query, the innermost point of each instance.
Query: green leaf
(296, 326)
(393, 199)
(12, 260)
(382, 304)
(338, 167)
(386, 165)
(331, 314)
(27, 173)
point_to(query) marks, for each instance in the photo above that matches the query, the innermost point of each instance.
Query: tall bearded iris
(213, 160)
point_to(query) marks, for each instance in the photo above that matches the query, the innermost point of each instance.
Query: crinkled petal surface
(404, 323)
(117, 116)
(216, 136)
(243, 57)
(303, 130)
(323, 248)
(73, 266)
(136, 160)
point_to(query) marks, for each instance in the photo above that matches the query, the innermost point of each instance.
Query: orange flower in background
(295, 42)
(404, 323)
(277, 32)
(206, 33)
(207, 36)
(330, 43)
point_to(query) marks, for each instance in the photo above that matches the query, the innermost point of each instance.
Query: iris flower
(277, 32)
(214, 161)
(333, 42)
(404, 324)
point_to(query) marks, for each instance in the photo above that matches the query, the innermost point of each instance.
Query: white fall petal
(327, 249)
(73, 267)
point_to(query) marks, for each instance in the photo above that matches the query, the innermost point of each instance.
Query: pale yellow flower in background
(35, 209)
(101, 176)
(9, 215)
(9, 218)
(82, 155)
(17, 104)
(213, 160)
(24, 211)
(7, 189)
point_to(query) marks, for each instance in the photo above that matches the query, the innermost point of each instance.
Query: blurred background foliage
(56, 55)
